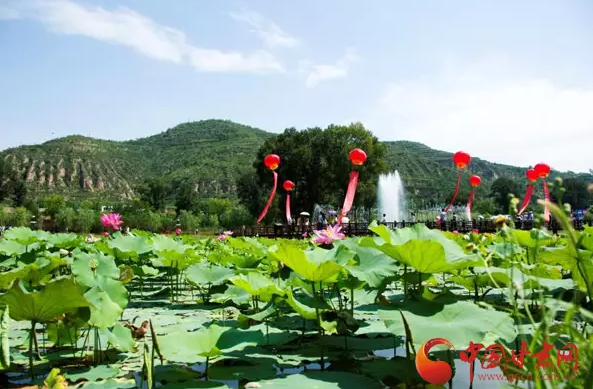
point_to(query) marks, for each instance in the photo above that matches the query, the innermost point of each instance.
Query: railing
(360, 229)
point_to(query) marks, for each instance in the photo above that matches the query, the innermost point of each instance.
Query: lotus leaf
(130, 245)
(371, 265)
(89, 269)
(121, 338)
(181, 346)
(322, 380)
(256, 284)
(26, 236)
(57, 297)
(111, 384)
(208, 274)
(532, 239)
(11, 247)
(94, 374)
(458, 321)
(314, 266)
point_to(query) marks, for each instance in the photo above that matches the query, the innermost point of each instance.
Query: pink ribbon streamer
(288, 216)
(526, 199)
(349, 195)
(456, 192)
(265, 211)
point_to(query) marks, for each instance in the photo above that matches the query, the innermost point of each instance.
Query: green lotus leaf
(104, 311)
(149, 271)
(315, 266)
(209, 342)
(208, 274)
(55, 298)
(460, 322)
(578, 262)
(11, 247)
(233, 293)
(371, 265)
(26, 236)
(161, 244)
(131, 245)
(111, 384)
(89, 268)
(257, 284)
(121, 338)
(532, 239)
(65, 241)
(415, 245)
(93, 374)
(115, 289)
(322, 380)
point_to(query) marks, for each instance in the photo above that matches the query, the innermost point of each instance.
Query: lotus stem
(31, 336)
(352, 302)
(405, 282)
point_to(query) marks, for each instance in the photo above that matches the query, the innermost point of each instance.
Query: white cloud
(269, 32)
(320, 73)
(481, 109)
(128, 28)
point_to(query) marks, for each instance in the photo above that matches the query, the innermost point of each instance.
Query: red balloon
(272, 161)
(461, 159)
(475, 181)
(288, 185)
(358, 156)
(542, 170)
(531, 175)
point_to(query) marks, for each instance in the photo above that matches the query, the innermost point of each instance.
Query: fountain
(391, 198)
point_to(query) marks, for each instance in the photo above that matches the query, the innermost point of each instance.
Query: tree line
(315, 159)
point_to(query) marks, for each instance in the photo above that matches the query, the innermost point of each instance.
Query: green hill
(213, 154)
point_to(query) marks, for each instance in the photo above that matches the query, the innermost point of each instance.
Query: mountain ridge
(212, 153)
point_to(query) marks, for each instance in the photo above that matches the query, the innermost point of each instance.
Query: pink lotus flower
(328, 235)
(456, 232)
(112, 220)
(476, 231)
(225, 235)
(178, 231)
(106, 234)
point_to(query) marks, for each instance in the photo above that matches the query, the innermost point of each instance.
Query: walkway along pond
(361, 229)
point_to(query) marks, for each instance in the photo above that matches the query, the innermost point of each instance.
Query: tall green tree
(316, 160)
(155, 192)
(12, 187)
(53, 204)
(185, 196)
(500, 190)
(575, 193)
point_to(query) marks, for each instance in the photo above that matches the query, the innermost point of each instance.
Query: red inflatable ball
(475, 181)
(542, 170)
(288, 185)
(531, 175)
(272, 161)
(461, 159)
(358, 156)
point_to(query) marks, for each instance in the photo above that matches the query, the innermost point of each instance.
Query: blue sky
(509, 81)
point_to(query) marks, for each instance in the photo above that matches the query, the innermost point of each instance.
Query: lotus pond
(151, 311)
